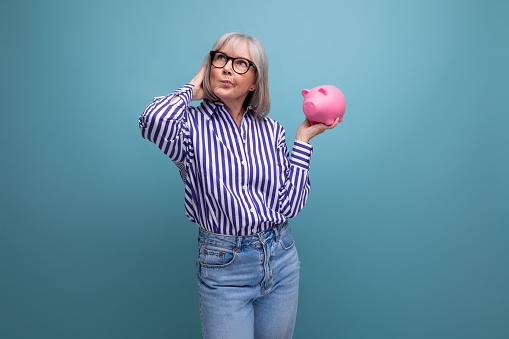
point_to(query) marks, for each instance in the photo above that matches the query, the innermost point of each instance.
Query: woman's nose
(228, 68)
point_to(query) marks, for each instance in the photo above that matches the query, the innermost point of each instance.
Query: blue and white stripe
(238, 180)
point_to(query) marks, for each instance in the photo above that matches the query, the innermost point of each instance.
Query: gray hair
(259, 99)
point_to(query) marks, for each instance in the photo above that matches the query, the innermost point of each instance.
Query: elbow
(290, 211)
(142, 123)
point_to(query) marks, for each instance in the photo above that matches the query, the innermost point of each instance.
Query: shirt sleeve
(165, 123)
(294, 189)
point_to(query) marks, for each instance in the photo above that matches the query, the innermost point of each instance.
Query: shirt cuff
(185, 92)
(301, 154)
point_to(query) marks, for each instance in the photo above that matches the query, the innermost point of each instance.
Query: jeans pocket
(286, 239)
(213, 256)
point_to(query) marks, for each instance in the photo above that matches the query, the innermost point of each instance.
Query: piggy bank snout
(309, 108)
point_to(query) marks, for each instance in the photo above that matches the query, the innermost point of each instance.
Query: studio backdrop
(406, 230)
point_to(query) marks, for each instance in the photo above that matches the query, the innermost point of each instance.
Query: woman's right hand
(197, 81)
(306, 131)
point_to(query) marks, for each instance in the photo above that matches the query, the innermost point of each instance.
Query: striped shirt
(239, 180)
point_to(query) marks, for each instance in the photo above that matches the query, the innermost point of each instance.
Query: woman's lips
(227, 82)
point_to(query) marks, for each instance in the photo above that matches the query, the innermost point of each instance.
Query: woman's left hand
(306, 131)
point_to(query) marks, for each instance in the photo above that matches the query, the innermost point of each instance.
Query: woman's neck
(237, 112)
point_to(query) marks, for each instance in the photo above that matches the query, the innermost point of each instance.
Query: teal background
(406, 231)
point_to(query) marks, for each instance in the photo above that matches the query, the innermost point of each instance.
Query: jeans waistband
(245, 240)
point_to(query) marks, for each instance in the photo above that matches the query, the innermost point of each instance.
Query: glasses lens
(241, 66)
(219, 60)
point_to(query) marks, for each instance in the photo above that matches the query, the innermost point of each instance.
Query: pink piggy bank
(323, 104)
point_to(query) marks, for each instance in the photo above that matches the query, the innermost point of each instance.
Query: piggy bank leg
(330, 122)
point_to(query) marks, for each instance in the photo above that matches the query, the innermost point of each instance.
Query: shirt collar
(211, 108)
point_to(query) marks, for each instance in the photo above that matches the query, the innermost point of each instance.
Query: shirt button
(243, 162)
(252, 209)
(244, 188)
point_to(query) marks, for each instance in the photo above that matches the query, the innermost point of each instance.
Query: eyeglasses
(239, 65)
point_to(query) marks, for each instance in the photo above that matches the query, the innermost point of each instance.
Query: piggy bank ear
(322, 90)
(305, 92)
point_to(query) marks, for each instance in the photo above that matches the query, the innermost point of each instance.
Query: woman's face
(229, 86)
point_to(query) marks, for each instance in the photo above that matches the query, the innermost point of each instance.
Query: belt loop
(276, 232)
(239, 243)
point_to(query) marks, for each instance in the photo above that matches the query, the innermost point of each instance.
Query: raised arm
(294, 185)
(165, 120)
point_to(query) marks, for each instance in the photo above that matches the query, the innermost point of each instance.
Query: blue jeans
(248, 284)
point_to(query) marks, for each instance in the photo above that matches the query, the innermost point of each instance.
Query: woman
(241, 186)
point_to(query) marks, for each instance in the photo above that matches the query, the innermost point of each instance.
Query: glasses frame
(228, 58)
